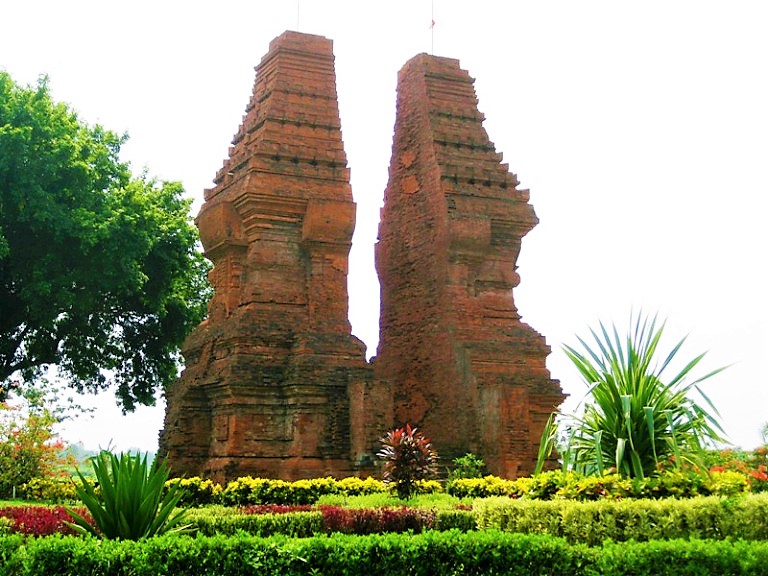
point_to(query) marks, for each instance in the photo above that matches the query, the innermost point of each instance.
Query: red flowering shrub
(29, 447)
(39, 520)
(758, 479)
(753, 464)
(376, 520)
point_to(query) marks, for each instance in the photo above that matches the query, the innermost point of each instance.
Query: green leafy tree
(408, 456)
(99, 271)
(635, 419)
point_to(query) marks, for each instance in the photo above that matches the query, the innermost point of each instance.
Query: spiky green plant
(634, 417)
(130, 502)
(408, 456)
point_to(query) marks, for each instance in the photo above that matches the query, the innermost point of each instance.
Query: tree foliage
(99, 272)
(635, 418)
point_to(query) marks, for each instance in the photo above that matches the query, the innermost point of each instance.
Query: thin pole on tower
(432, 29)
(298, 14)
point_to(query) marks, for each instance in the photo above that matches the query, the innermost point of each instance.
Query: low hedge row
(548, 485)
(248, 491)
(569, 485)
(293, 524)
(427, 554)
(744, 517)
(46, 521)
(245, 491)
(332, 519)
(591, 523)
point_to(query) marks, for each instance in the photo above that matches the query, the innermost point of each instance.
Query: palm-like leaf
(633, 419)
(130, 502)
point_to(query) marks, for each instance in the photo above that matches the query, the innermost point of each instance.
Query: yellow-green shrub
(428, 487)
(705, 517)
(595, 487)
(6, 524)
(354, 486)
(521, 515)
(481, 487)
(727, 483)
(195, 491)
(48, 489)
(675, 483)
(306, 491)
(246, 490)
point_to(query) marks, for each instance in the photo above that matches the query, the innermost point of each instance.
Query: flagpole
(432, 29)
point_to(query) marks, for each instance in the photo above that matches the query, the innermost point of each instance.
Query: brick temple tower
(275, 383)
(462, 364)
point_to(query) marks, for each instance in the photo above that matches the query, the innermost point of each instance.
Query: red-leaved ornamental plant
(39, 520)
(408, 457)
(376, 520)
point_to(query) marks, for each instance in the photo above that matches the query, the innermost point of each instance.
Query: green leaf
(631, 413)
(132, 502)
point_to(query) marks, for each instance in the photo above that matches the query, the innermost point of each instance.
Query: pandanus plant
(129, 501)
(408, 457)
(635, 418)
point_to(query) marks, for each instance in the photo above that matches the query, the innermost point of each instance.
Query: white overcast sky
(640, 128)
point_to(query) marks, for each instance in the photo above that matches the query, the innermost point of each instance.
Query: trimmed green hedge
(744, 517)
(295, 524)
(330, 519)
(558, 484)
(427, 554)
